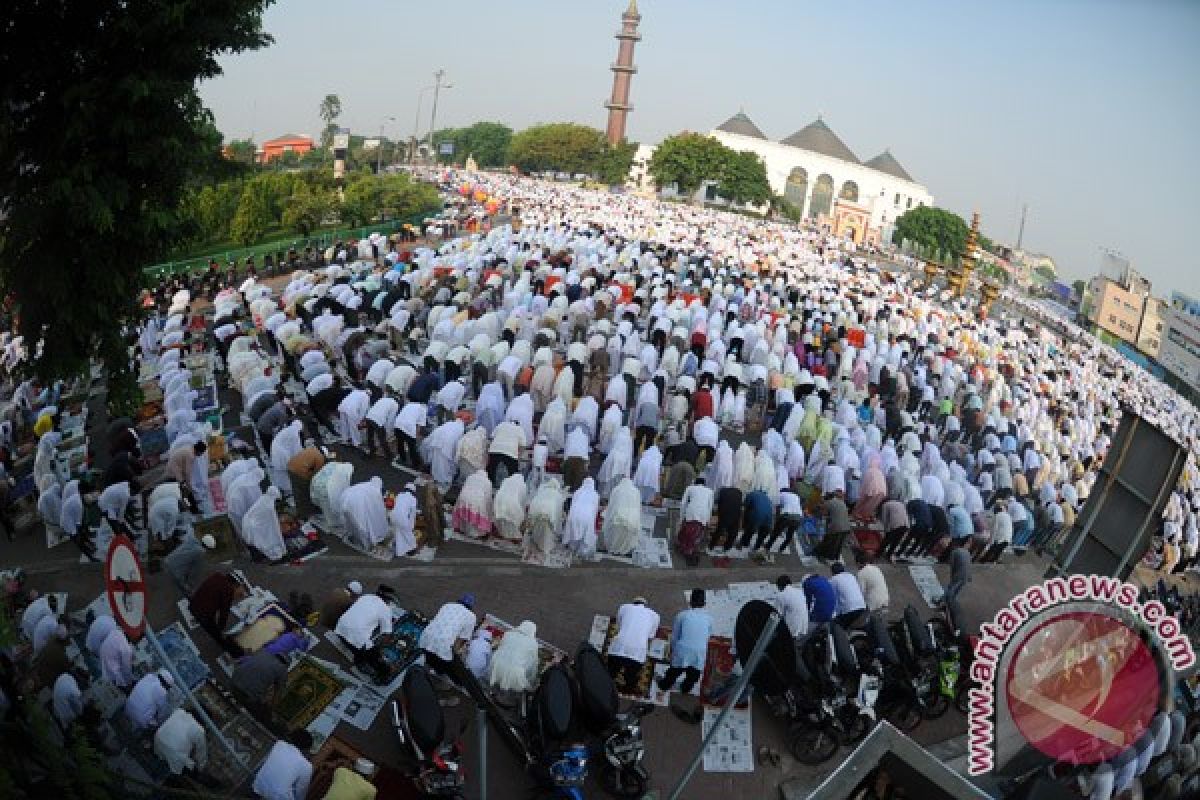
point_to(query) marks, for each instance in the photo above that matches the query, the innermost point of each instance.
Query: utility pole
(379, 154)
(412, 155)
(1021, 230)
(437, 88)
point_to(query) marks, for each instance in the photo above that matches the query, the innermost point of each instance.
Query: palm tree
(330, 110)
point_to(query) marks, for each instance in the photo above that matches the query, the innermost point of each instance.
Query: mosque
(813, 168)
(815, 171)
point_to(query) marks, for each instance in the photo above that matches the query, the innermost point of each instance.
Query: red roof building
(288, 143)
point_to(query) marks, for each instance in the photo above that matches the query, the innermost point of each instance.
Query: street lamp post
(379, 155)
(437, 88)
(412, 155)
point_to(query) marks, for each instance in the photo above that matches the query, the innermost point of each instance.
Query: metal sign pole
(481, 720)
(756, 655)
(195, 704)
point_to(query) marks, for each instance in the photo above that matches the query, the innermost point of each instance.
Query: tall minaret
(618, 105)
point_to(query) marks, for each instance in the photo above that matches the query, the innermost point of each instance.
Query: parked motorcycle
(897, 701)
(828, 699)
(918, 655)
(621, 770)
(956, 650)
(559, 761)
(421, 728)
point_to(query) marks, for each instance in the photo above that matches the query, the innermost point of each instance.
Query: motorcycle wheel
(904, 716)
(937, 705)
(628, 783)
(853, 730)
(962, 700)
(812, 745)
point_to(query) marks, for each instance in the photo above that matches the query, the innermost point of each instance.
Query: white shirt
(636, 626)
(577, 444)
(849, 593)
(507, 439)
(68, 700)
(34, 613)
(453, 622)
(383, 412)
(697, 503)
(360, 622)
(116, 658)
(147, 704)
(451, 395)
(180, 741)
(319, 383)
(46, 628)
(1002, 528)
(706, 432)
(100, 628)
(874, 587)
(284, 775)
(411, 417)
(793, 605)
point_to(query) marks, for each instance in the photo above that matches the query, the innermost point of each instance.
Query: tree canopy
(486, 141)
(687, 160)
(742, 179)
(559, 147)
(105, 129)
(933, 230)
(329, 110)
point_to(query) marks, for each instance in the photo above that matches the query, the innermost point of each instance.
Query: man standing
(636, 626)
(851, 605)
(729, 517)
(837, 526)
(960, 569)
(758, 520)
(689, 645)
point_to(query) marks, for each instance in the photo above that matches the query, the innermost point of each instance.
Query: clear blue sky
(1087, 110)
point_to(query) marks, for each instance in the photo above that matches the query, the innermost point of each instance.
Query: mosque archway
(849, 192)
(822, 196)
(796, 189)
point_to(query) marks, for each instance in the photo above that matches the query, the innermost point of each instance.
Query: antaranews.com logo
(1076, 667)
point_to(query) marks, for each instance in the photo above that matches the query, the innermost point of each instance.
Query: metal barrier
(320, 240)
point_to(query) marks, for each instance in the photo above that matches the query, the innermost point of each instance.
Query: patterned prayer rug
(310, 688)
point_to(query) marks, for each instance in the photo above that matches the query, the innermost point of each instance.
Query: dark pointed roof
(816, 137)
(886, 162)
(740, 124)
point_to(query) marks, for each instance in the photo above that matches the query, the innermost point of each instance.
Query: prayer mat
(384, 551)
(153, 441)
(927, 583)
(302, 541)
(217, 495)
(718, 669)
(335, 752)
(182, 652)
(249, 739)
(221, 529)
(206, 399)
(310, 688)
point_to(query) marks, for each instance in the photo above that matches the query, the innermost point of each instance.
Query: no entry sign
(125, 585)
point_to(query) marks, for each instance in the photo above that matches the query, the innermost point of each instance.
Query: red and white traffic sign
(125, 585)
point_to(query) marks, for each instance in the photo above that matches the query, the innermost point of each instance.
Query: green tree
(933, 230)
(743, 180)
(687, 160)
(307, 209)
(560, 147)
(242, 151)
(105, 132)
(329, 110)
(1079, 287)
(780, 205)
(369, 197)
(1048, 274)
(487, 141)
(615, 162)
(253, 216)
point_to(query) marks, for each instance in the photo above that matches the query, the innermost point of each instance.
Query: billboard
(341, 141)
(446, 149)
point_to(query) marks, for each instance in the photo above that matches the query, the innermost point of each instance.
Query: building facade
(1115, 309)
(1150, 331)
(1180, 350)
(288, 143)
(816, 172)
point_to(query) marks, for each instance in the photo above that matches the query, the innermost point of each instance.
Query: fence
(322, 240)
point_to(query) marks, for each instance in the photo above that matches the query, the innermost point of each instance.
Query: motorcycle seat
(423, 713)
(597, 692)
(555, 703)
